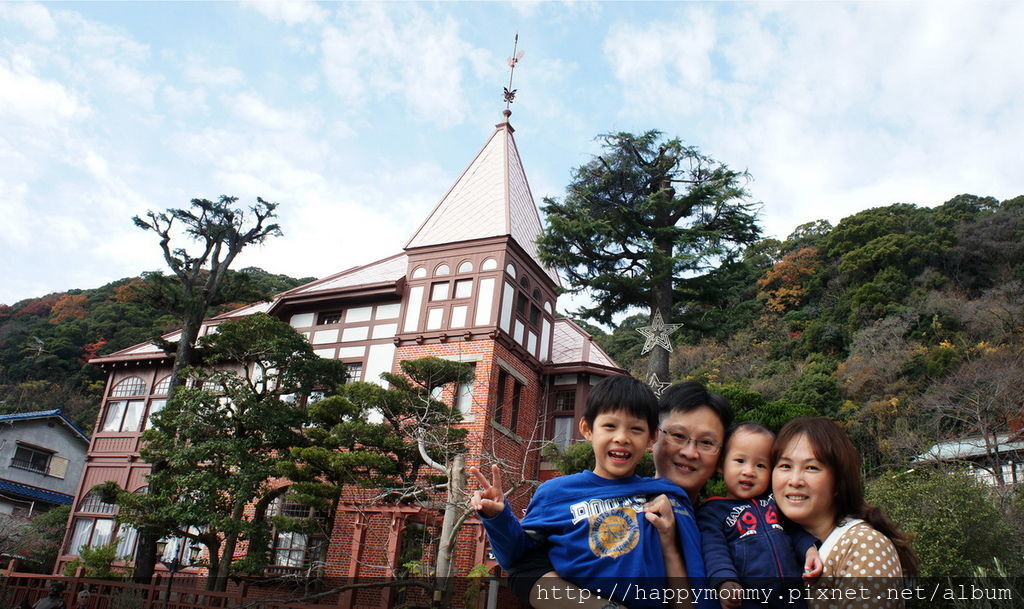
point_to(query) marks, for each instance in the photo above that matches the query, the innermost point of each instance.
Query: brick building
(467, 286)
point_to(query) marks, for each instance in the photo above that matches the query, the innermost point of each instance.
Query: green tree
(379, 438)
(221, 231)
(641, 219)
(221, 439)
(956, 522)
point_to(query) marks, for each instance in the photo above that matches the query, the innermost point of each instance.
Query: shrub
(955, 520)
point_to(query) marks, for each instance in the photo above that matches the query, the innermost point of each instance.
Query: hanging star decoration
(657, 385)
(657, 333)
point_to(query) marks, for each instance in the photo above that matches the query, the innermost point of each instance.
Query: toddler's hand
(813, 566)
(730, 594)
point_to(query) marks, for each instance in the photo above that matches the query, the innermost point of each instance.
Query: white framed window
(439, 291)
(90, 532)
(132, 385)
(163, 386)
(463, 288)
(123, 416)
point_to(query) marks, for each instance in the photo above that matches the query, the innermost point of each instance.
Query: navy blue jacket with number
(745, 541)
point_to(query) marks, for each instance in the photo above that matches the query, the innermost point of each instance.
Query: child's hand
(730, 594)
(490, 499)
(813, 566)
(658, 511)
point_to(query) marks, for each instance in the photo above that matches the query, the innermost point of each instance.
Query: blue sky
(357, 117)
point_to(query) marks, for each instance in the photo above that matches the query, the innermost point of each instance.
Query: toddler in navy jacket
(749, 556)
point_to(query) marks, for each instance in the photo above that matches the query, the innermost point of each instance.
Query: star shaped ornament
(657, 333)
(657, 385)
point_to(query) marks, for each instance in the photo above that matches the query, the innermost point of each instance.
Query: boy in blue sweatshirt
(748, 554)
(599, 533)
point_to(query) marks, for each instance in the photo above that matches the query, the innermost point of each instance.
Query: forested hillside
(904, 322)
(45, 342)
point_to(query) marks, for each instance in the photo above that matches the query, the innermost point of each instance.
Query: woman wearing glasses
(692, 428)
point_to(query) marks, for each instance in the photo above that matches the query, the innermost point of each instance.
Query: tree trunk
(145, 552)
(445, 547)
(661, 301)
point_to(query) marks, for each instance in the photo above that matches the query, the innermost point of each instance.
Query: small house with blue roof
(42, 455)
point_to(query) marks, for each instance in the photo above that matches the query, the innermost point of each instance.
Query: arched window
(511, 270)
(524, 282)
(547, 307)
(489, 265)
(442, 269)
(92, 504)
(536, 294)
(465, 267)
(163, 386)
(419, 273)
(132, 385)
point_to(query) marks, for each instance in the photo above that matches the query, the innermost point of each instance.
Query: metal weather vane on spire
(510, 93)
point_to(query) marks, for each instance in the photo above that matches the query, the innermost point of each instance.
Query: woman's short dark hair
(684, 397)
(621, 392)
(834, 449)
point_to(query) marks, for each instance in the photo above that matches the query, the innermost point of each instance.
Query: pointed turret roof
(491, 198)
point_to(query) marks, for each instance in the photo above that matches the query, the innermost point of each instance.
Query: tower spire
(510, 93)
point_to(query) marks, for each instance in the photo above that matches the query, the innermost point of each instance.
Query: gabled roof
(387, 269)
(571, 344)
(45, 414)
(966, 448)
(491, 198)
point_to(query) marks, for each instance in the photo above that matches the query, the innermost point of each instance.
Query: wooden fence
(16, 589)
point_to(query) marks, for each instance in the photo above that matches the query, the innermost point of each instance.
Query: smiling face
(683, 462)
(619, 440)
(747, 464)
(804, 488)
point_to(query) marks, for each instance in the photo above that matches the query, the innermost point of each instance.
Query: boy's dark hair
(748, 427)
(621, 392)
(684, 397)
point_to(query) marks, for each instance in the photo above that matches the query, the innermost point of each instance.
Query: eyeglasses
(680, 440)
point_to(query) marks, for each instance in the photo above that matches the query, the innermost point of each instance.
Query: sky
(357, 117)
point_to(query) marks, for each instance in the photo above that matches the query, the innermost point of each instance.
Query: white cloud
(837, 107)
(290, 12)
(32, 16)
(250, 107)
(198, 72)
(40, 102)
(402, 51)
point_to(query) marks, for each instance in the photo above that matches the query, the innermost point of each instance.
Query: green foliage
(220, 440)
(476, 580)
(624, 231)
(816, 386)
(956, 522)
(579, 456)
(342, 445)
(43, 360)
(98, 562)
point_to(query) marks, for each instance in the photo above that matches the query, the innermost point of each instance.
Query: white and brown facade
(467, 286)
